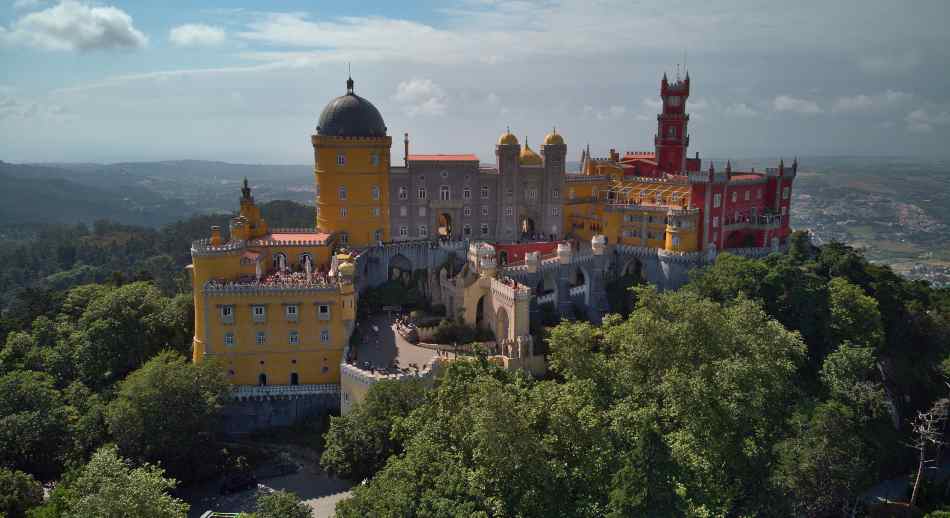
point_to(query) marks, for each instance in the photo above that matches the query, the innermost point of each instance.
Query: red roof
(444, 158)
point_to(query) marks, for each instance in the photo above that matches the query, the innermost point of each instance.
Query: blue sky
(245, 82)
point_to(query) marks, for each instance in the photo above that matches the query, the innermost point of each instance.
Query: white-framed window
(229, 339)
(467, 193)
(484, 229)
(421, 193)
(291, 311)
(467, 229)
(343, 211)
(403, 211)
(423, 231)
(227, 314)
(261, 338)
(785, 191)
(342, 192)
(340, 159)
(374, 159)
(734, 196)
(675, 239)
(531, 194)
(484, 210)
(484, 192)
(323, 312)
(467, 211)
(422, 211)
(509, 211)
(748, 195)
(375, 192)
(325, 336)
(444, 193)
(556, 194)
(375, 212)
(555, 211)
(403, 193)
(293, 338)
(717, 199)
(715, 221)
(259, 313)
(403, 231)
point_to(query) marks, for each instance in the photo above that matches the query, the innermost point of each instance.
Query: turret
(598, 244)
(216, 236)
(564, 253)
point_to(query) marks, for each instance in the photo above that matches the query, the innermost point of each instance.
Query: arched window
(262, 379)
(375, 191)
(280, 261)
(342, 192)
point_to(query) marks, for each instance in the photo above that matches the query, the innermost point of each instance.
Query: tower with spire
(672, 136)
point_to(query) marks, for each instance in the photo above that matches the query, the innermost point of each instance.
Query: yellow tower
(351, 166)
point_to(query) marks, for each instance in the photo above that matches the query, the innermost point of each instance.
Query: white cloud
(923, 121)
(421, 97)
(71, 25)
(861, 102)
(785, 103)
(26, 5)
(652, 103)
(740, 110)
(196, 35)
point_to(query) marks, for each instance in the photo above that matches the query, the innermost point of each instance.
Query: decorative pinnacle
(349, 80)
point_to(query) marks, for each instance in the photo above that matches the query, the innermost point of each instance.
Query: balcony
(761, 222)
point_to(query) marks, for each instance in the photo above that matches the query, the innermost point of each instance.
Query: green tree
(18, 492)
(34, 424)
(166, 412)
(825, 462)
(108, 487)
(854, 315)
(357, 444)
(281, 504)
(849, 373)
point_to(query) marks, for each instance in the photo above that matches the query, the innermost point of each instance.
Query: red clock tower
(672, 139)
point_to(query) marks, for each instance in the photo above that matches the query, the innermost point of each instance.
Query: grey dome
(351, 116)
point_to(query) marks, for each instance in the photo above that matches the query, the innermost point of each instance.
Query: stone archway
(526, 226)
(501, 325)
(480, 312)
(634, 268)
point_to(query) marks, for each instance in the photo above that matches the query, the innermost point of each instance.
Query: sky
(240, 81)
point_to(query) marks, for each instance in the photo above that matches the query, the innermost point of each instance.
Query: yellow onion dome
(553, 139)
(528, 156)
(346, 269)
(507, 139)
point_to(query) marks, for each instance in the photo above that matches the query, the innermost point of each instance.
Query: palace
(492, 244)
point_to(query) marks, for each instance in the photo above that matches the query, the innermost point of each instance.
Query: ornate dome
(351, 116)
(528, 156)
(553, 139)
(507, 139)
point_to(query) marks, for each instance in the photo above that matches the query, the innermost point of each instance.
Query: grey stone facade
(509, 202)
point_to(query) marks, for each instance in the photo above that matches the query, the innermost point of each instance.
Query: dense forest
(784, 386)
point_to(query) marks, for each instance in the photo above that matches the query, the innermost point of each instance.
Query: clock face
(674, 100)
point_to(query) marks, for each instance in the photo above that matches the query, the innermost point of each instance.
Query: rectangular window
(717, 199)
(323, 311)
(467, 230)
(340, 159)
(422, 211)
(421, 193)
(444, 193)
(484, 229)
(676, 240)
(467, 211)
(748, 195)
(375, 211)
(293, 338)
(484, 192)
(509, 211)
(378, 235)
(325, 336)
(227, 314)
(484, 210)
(734, 197)
(343, 212)
(556, 194)
(291, 311)
(342, 192)
(344, 238)
(259, 313)
(228, 338)
(374, 159)
(375, 192)
(261, 338)
(403, 231)
(403, 193)
(423, 231)
(531, 194)
(555, 211)
(403, 211)
(466, 194)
